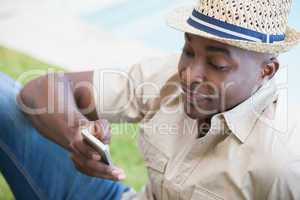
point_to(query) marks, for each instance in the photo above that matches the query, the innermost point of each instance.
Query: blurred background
(75, 35)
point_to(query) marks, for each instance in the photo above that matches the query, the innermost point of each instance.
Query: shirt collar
(242, 118)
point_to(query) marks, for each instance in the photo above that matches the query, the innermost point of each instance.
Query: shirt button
(161, 163)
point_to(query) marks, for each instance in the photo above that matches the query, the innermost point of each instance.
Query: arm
(128, 94)
(54, 103)
(119, 96)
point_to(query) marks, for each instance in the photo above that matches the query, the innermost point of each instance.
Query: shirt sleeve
(125, 95)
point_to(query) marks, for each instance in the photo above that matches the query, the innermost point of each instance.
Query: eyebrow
(215, 49)
(187, 37)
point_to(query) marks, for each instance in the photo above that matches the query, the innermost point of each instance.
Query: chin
(193, 113)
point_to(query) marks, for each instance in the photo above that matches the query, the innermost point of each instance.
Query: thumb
(102, 130)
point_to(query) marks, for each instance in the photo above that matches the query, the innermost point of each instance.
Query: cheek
(183, 61)
(237, 90)
(229, 85)
(183, 65)
(231, 93)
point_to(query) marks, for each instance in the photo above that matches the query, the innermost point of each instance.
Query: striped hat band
(229, 31)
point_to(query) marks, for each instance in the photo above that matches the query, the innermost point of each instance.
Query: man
(212, 121)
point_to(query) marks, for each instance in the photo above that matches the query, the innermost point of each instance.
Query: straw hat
(256, 25)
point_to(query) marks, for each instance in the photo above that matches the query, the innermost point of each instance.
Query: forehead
(195, 39)
(202, 42)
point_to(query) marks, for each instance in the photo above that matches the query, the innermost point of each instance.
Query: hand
(87, 160)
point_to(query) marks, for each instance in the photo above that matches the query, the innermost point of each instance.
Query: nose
(192, 74)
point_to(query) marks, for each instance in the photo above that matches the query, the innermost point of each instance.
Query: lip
(192, 97)
(189, 98)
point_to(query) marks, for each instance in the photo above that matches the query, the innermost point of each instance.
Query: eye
(188, 53)
(218, 63)
(218, 67)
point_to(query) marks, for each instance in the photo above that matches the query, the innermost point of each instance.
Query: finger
(81, 168)
(98, 169)
(86, 150)
(78, 165)
(107, 131)
(103, 130)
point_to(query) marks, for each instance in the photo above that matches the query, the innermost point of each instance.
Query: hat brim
(178, 19)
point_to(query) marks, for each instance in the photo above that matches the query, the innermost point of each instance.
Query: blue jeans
(36, 168)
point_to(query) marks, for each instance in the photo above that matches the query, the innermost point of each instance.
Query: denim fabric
(36, 168)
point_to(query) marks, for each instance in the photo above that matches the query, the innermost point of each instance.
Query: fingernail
(121, 176)
(115, 172)
(96, 157)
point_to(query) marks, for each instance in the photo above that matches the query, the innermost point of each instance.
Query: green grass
(124, 142)
(5, 192)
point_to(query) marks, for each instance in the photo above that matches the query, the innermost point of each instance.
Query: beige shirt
(250, 152)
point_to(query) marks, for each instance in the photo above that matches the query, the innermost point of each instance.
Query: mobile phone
(100, 148)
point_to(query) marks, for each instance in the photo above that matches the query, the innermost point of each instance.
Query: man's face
(216, 77)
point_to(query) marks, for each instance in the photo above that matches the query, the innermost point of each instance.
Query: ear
(270, 68)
